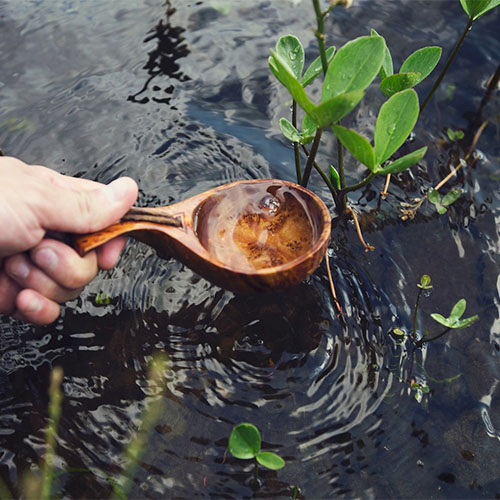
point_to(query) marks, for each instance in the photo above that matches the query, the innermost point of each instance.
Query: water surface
(178, 96)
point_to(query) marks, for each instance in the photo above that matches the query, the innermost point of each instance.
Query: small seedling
(445, 201)
(453, 320)
(455, 135)
(419, 390)
(245, 443)
(102, 300)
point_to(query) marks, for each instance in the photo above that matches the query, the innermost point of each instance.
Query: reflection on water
(162, 60)
(328, 393)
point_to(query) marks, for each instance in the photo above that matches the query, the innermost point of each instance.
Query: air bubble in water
(270, 204)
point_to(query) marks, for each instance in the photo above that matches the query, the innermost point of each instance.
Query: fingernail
(118, 189)
(34, 305)
(18, 269)
(46, 259)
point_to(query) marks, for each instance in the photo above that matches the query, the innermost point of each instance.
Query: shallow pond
(178, 95)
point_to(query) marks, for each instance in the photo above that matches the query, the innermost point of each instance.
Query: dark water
(178, 96)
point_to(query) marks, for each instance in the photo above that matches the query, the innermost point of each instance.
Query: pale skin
(38, 272)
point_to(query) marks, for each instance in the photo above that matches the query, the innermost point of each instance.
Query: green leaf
(425, 282)
(244, 441)
(453, 320)
(422, 61)
(395, 121)
(334, 176)
(102, 300)
(387, 68)
(464, 323)
(284, 74)
(440, 319)
(309, 128)
(435, 199)
(457, 311)
(476, 8)
(336, 108)
(357, 145)
(454, 135)
(291, 50)
(451, 196)
(270, 460)
(441, 209)
(315, 68)
(434, 196)
(398, 82)
(404, 162)
(354, 66)
(289, 131)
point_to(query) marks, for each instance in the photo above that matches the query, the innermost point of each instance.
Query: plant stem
(324, 176)
(491, 87)
(415, 313)
(136, 447)
(55, 403)
(358, 185)
(312, 156)
(296, 146)
(256, 475)
(340, 160)
(448, 63)
(320, 34)
(423, 340)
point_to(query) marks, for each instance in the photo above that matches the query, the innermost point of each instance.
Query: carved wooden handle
(147, 214)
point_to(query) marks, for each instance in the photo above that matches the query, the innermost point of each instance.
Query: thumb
(88, 210)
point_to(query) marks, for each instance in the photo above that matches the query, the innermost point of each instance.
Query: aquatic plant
(39, 484)
(453, 322)
(347, 72)
(245, 443)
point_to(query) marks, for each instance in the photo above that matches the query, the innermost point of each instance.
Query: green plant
(455, 135)
(136, 447)
(347, 72)
(442, 202)
(245, 443)
(38, 484)
(453, 322)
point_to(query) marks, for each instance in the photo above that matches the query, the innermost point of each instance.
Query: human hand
(38, 273)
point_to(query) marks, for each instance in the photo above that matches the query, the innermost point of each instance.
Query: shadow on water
(329, 393)
(163, 59)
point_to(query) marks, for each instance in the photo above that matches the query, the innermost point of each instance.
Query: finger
(108, 254)
(86, 211)
(29, 276)
(8, 293)
(63, 265)
(35, 308)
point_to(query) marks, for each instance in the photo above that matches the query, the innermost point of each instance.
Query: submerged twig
(410, 211)
(385, 192)
(463, 162)
(332, 286)
(366, 246)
